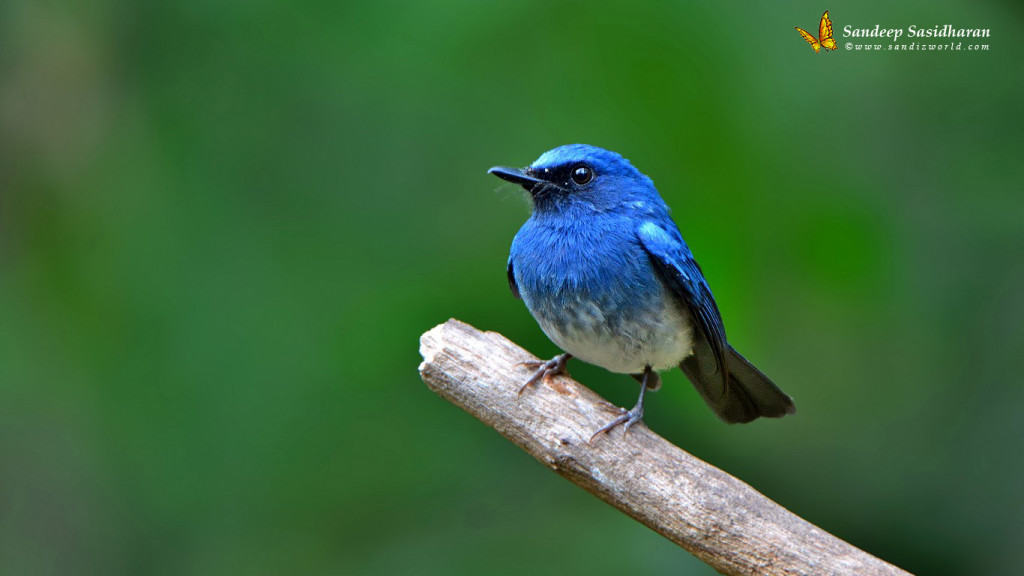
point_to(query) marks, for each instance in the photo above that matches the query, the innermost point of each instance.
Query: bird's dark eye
(582, 174)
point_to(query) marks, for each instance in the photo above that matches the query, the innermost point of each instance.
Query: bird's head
(578, 174)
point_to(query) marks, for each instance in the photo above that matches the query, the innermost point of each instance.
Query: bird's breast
(595, 295)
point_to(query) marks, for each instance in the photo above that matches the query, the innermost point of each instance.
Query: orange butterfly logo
(824, 39)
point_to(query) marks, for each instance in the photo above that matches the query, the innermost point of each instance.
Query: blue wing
(732, 386)
(674, 262)
(512, 280)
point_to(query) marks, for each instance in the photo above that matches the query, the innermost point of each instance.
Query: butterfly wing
(825, 33)
(811, 39)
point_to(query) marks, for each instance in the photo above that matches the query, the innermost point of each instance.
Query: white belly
(626, 343)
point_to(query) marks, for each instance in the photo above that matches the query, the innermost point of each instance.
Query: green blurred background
(226, 224)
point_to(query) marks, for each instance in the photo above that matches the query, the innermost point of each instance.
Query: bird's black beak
(516, 176)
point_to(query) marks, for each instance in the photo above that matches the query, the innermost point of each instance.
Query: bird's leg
(545, 370)
(649, 379)
(653, 383)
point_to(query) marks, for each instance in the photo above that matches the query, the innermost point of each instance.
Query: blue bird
(605, 272)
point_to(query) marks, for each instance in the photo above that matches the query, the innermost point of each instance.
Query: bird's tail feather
(747, 395)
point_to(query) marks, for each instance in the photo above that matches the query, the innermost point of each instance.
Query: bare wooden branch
(718, 518)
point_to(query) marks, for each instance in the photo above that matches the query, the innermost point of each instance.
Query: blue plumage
(603, 268)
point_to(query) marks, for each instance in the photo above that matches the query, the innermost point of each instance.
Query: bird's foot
(626, 419)
(545, 370)
(649, 380)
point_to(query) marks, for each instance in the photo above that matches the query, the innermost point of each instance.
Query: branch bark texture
(716, 517)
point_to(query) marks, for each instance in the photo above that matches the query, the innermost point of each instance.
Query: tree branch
(715, 516)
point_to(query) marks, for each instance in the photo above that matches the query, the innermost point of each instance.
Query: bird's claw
(545, 370)
(626, 419)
